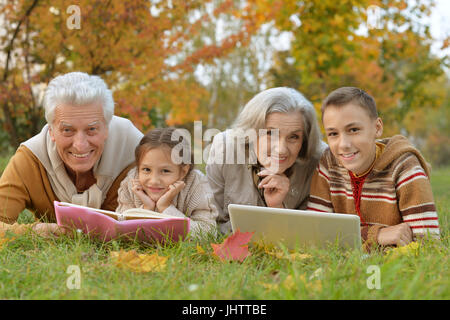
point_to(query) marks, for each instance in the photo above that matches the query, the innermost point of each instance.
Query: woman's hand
(149, 204)
(400, 235)
(48, 230)
(276, 187)
(166, 199)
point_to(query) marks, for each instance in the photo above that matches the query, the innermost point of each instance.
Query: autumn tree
(333, 45)
(144, 50)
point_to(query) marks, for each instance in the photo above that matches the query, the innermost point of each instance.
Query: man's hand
(166, 199)
(400, 235)
(48, 230)
(276, 187)
(149, 204)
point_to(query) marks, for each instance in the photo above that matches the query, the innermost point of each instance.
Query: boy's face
(351, 135)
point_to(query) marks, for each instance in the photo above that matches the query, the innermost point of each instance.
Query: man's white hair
(77, 89)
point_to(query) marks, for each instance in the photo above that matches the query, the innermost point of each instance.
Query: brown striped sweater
(396, 190)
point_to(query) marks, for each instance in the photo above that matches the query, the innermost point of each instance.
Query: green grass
(36, 268)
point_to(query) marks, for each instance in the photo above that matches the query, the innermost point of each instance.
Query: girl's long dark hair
(163, 137)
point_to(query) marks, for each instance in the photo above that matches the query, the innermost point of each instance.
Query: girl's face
(156, 172)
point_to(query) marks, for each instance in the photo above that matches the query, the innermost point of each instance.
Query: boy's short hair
(346, 95)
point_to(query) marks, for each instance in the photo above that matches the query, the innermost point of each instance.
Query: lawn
(36, 268)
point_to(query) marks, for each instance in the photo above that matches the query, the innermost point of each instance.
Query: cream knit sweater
(194, 201)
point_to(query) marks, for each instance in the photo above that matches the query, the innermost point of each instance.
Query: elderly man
(80, 156)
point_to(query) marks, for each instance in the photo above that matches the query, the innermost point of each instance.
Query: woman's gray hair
(284, 100)
(77, 89)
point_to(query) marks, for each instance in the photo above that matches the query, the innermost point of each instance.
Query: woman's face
(278, 155)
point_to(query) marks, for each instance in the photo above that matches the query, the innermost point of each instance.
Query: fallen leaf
(289, 283)
(412, 249)
(133, 261)
(269, 286)
(4, 241)
(200, 250)
(261, 245)
(234, 247)
(290, 256)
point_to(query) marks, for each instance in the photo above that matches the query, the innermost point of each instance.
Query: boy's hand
(149, 204)
(166, 199)
(276, 187)
(399, 235)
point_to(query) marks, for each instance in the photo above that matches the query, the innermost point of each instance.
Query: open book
(142, 224)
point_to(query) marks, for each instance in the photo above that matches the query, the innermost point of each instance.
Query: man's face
(79, 133)
(351, 135)
(279, 155)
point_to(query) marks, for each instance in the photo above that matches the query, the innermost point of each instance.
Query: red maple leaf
(234, 247)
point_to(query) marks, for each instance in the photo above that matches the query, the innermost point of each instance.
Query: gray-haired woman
(269, 155)
(80, 156)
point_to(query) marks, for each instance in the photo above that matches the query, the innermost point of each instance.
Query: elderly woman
(80, 156)
(278, 138)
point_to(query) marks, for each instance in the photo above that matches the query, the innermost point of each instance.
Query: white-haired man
(80, 156)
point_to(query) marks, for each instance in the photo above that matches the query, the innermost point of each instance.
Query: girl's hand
(149, 204)
(400, 235)
(166, 199)
(276, 187)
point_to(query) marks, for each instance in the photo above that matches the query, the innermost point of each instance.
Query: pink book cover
(106, 228)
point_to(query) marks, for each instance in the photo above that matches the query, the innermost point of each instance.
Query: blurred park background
(170, 62)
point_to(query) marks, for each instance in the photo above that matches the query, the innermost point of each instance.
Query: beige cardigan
(194, 201)
(27, 183)
(233, 183)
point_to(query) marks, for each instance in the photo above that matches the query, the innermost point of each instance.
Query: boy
(385, 182)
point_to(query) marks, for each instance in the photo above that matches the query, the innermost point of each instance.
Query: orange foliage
(145, 51)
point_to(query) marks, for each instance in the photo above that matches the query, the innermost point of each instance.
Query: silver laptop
(295, 228)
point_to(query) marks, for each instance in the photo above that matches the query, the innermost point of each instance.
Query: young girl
(159, 184)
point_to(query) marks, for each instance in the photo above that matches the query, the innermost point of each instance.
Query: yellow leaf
(200, 250)
(289, 282)
(412, 249)
(290, 256)
(269, 286)
(4, 241)
(138, 262)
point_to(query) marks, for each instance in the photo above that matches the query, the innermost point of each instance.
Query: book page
(107, 212)
(140, 213)
(133, 213)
